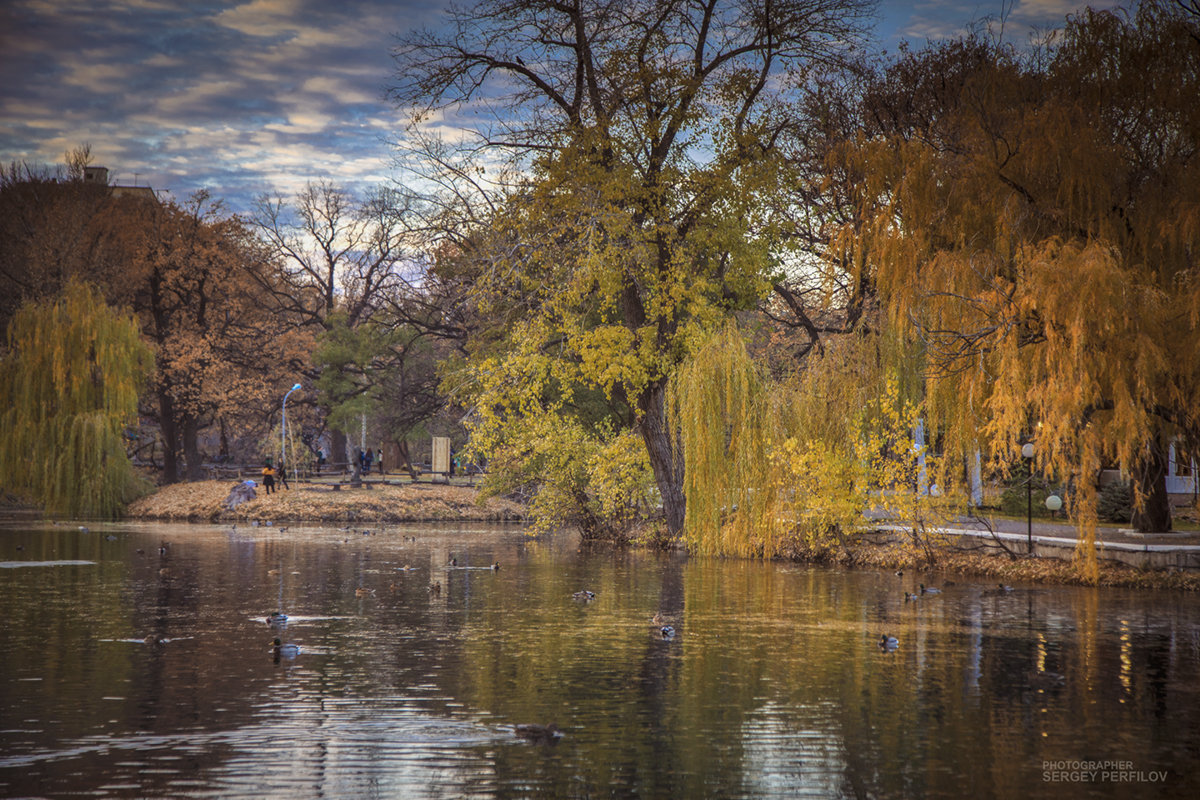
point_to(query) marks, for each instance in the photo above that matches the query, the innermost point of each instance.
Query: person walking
(268, 476)
(370, 457)
(282, 470)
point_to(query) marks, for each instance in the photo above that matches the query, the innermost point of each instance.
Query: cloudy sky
(247, 96)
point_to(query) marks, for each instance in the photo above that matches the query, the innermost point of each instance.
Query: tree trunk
(356, 475)
(170, 438)
(1153, 514)
(666, 458)
(191, 449)
(590, 526)
(337, 447)
(402, 446)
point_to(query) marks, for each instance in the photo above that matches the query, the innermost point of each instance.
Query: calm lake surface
(772, 686)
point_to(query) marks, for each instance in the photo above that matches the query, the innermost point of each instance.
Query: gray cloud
(931, 20)
(235, 97)
(246, 96)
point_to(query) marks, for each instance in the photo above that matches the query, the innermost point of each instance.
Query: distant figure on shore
(268, 476)
(320, 460)
(282, 470)
(367, 460)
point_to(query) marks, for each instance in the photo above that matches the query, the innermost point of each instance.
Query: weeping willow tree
(774, 466)
(720, 405)
(70, 383)
(1035, 222)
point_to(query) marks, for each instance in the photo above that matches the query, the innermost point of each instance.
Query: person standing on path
(268, 476)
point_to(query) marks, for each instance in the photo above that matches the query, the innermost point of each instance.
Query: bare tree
(328, 252)
(331, 252)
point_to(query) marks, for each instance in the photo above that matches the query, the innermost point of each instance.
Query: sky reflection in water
(127, 671)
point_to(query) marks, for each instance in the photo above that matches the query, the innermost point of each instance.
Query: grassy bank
(204, 501)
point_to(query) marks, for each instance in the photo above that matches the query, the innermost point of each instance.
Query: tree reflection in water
(773, 683)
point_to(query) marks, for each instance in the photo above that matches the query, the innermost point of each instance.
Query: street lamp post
(283, 429)
(1027, 453)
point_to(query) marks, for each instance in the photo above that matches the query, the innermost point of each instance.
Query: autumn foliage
(69, 387)
(1033, 221)
(707, 261)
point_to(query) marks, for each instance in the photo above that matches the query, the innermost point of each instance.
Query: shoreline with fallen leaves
(976, 567)
(204, 501)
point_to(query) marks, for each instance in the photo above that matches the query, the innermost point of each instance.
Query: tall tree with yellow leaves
(1034, 218)
(640, 137)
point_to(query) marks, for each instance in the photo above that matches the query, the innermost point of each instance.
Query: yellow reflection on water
(1126, 658)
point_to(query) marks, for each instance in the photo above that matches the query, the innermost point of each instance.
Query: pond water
(136, 661)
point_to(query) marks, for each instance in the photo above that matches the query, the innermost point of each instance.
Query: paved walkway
(1181, 549)
(1120, 537)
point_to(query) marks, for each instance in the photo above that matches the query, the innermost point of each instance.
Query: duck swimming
(929, 590)
(584, 595)
(888, 643)
(277, 618)
(667, 631)
(282, 650)
(539, 733)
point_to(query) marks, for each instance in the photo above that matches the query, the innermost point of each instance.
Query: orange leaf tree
(1034, 219)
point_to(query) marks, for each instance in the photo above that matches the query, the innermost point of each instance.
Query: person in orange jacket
(268, 476)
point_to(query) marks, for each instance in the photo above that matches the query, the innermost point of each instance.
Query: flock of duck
(888, 644)
(278, 620)
(544, 734)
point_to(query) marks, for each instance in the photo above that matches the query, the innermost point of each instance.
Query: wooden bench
(337, 487)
